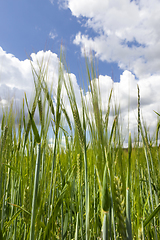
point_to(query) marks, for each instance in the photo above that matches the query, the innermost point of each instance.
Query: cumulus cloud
(16, 78)
(125, 95)
(13, 72)
(127, 32)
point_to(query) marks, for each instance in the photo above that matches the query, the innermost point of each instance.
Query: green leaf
(1, 235)
(157, 113)
(152, 215)
(77, 226)
(12, 168)
(128, 215)
(35, 131)
(51, 221)
(105, 192)
(65, 225)
(13, 218)
(21, 208)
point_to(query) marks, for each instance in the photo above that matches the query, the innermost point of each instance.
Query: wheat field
(92, 188)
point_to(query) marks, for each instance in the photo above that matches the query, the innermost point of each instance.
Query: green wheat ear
(78, 170)
(119, 204)
(27, 205)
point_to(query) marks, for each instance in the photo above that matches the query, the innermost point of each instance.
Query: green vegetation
(87, 190)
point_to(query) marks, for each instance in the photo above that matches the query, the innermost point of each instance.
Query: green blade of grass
(35, 131)
(7, 224)
(105, 191)
(77, 226)
(35, 191)
(157, 113)
(105, 226)
(152, 215)
(128, 215)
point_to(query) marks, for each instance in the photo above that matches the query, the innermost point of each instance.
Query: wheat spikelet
(78, 168)
(120, 208)
(79, 127)
(27, 205)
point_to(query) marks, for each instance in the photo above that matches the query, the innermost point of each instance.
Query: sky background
(124, 36)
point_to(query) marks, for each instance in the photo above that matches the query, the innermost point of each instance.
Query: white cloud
(63, 4)
(127, 32)
(125, 95)
(15, 80)
(16, 77)
(13, 72)
(53, 34)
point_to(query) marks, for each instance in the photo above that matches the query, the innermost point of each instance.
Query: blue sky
(28, 26)
(124, 36)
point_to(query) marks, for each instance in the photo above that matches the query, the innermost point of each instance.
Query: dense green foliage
(88, 189)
